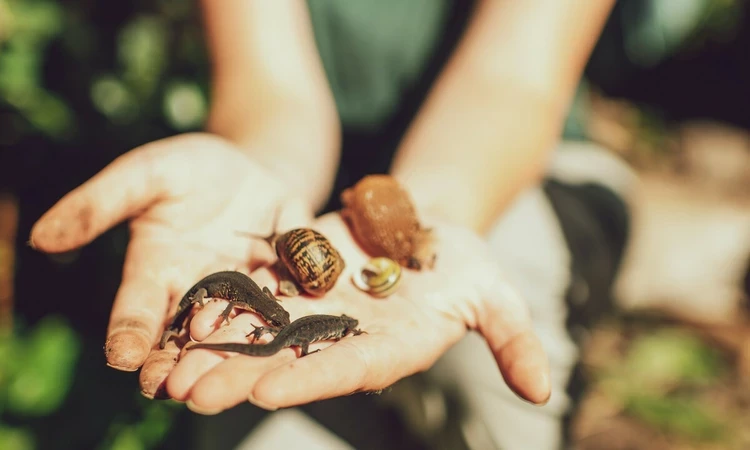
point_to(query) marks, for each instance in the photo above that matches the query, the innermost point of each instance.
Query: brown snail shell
(380, 277)
(306, 260)
(311, 260)
(383, 219)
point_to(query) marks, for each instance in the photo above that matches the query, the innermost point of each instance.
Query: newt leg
(199, 296)
(225, 314)
(258, 332)
(234, 304)
(168, 333)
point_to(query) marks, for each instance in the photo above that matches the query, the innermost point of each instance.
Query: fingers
(188, 381)
(340, 369)
(194, 363)
(506, 325)
(127, 185)
(155, 370)
(210, 392)
(137, 316)
(207, 319)
(368, 362)
(160, 363)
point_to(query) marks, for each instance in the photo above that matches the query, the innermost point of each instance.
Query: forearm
(269, 91)
(497, 110)
(469, 153)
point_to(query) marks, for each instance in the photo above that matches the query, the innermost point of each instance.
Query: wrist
(468, 173)
(298, 141)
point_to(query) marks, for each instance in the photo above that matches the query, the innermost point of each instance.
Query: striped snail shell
(311, 260)
(380, 277)
(306, 259)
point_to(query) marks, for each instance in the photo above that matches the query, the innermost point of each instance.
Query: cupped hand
(405, 333)
(186, 196)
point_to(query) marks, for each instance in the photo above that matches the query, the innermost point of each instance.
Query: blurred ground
(672, 369)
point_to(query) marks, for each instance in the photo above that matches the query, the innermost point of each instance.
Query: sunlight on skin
(182, 231)
(406, 333)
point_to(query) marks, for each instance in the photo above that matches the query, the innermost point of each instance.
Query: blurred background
(83, 81)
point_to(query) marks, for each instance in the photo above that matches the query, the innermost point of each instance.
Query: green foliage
(16, 438)
(184, 105)
(145, 433)
(31, 25)
(35, 376)
(655, 379)
(683, 416)
(75, 74)
(135, 78)
(659, 28)
(39, 369)
(671, 357)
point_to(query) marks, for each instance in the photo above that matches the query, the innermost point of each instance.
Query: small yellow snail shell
(380, 277)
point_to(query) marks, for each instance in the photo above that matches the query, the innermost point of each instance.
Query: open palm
(406, 333)
(186, 196)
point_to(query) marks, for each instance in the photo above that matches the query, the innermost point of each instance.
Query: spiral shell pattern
(380, 277)
(311, 259)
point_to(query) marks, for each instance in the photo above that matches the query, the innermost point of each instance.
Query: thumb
(127, 185)
(506, 325)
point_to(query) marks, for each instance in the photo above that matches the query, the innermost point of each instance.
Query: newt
(241, 292)
(300, 333)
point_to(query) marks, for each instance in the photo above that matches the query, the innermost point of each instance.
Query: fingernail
(526, 398)
(198, 410)
(259, 404)
(543, 402)
(126, 350)
(155, 393)
(148, 395)
(531, 402)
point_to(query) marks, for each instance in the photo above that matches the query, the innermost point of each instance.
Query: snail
(306, 259)
(383, 219)
(380, 277)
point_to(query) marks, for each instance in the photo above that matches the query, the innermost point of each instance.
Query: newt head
(349, 321)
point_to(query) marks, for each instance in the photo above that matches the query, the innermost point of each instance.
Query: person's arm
(269, 87)
(497, 110)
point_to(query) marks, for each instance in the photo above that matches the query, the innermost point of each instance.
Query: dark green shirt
(372, 50)
(375, 50)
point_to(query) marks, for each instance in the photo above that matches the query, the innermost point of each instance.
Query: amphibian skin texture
(301, 333)
(237, 288)
(383, 219)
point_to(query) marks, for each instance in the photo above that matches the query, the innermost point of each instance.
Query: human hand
(186, 196)
(406, 333)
